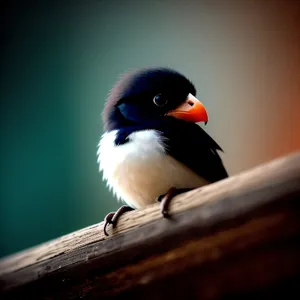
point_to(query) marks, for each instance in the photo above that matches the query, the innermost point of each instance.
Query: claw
(113, 217)
(108, 220)
(166, 199)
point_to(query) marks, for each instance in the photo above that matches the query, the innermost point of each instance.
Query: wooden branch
(236, 236)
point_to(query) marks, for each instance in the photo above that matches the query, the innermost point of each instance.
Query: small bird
(152, 147)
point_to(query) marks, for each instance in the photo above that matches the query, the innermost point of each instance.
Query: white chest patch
(140, 170)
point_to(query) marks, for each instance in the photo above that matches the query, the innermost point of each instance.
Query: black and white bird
(152, 147)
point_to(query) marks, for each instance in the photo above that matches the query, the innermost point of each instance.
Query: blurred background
(60, 59)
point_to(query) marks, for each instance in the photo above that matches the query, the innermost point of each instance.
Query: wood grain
(254, 214)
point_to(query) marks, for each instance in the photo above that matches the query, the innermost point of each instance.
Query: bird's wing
(192, 146)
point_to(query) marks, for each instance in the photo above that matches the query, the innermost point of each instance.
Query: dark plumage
(130, 108)
(152, 145)
(136, 90)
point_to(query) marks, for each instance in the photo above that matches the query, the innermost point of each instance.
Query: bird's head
(152, 94)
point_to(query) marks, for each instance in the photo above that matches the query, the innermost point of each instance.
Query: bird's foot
(113, 217)
(166, 199)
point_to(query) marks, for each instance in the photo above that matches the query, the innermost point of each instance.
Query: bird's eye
(160, 100)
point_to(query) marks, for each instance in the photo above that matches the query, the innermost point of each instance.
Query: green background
(60, 59)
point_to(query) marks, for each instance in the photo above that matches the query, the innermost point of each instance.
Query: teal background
(60, 59)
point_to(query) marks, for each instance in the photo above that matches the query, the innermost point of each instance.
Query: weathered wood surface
(235, 236)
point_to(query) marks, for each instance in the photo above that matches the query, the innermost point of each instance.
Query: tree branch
(236, 236)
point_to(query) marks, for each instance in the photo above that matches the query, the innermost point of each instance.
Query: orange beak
(192, 110)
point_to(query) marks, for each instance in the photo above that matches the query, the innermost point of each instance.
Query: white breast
(140, 170)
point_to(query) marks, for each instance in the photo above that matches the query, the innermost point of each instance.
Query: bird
(153, 147)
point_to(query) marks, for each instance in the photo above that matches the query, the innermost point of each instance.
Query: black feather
(130, 108)
(192, 146)
(186, 142)
(131, 99)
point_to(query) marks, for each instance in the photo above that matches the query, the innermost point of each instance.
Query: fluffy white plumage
(140, 170)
